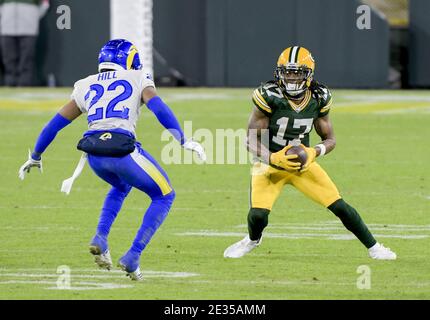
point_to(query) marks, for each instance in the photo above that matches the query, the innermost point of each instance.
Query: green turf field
(381, 166)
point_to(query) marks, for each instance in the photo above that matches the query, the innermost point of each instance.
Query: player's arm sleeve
(58, 122)
(259, 99)
(325, 102)
(161, 110)
(47, 135)
(166, 117)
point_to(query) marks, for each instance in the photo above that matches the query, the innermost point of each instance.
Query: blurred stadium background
(227, 43)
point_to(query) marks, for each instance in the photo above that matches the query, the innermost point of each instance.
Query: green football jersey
(289, 121)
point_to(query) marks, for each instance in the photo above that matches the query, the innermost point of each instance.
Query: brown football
(300, 151)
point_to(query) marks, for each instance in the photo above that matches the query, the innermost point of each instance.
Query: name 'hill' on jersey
(288, 120)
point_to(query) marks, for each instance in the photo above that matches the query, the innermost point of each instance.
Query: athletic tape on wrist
(322, 149)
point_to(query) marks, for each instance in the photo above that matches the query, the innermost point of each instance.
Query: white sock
(374, 246)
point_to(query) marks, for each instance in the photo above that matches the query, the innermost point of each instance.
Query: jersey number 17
(298, 123)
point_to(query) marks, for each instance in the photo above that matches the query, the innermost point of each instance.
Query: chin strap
(303, 87)
(298, 96)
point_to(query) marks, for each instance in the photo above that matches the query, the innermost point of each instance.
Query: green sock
(257, 221)
(352, 221)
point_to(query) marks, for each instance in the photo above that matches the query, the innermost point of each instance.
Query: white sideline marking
(29, 276)
(82, 285)
(45, 207)
(298, 282)
(209, 233)
(322, 227)
(107, 274)
(335, 225)
(342, 228)
(383, 98)
(331, 230)
(404, 110)
(417, 236)
(197, 96)
(94, 286)
(35, 95)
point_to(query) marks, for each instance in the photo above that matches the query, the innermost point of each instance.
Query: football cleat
(242, 247)
(130, 264)
(99, 248)
(379, 252)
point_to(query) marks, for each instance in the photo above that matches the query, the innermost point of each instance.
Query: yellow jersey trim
(299, 107)
(153, 172)
(327, 107)
(259, 100)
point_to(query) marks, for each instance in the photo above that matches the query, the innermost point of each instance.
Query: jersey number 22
(108, 111)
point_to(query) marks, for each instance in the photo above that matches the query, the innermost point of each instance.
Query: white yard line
(144, 207)
(77, 273)
(370, 98)
(403, 110)
(210, 233)
(331, 228)
(342, 228)
(234, 282)
(78, 285)
(173, 97)
(35, 96)
(92, 276)
(42, 276)
(337, 225)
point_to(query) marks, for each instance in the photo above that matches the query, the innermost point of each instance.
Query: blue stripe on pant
(139, 170)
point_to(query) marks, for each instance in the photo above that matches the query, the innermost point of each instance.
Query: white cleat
(103, 260)
(136, 275)
(242, 247)
(379, 252)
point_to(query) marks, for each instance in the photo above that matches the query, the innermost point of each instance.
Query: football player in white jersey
(112, 100)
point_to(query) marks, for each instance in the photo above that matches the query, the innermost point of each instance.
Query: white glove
(30, 163)
(192, 145)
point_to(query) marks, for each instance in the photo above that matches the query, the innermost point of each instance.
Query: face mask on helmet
(295, 80)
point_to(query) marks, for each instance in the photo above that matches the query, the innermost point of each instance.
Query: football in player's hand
(302, 155)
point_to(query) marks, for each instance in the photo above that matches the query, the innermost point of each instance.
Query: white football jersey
(112, 99)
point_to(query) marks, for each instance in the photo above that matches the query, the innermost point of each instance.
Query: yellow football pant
(267, 183)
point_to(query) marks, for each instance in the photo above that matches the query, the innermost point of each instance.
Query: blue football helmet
(119, 54)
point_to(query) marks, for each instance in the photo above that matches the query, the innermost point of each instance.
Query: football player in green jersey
(285, 112)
